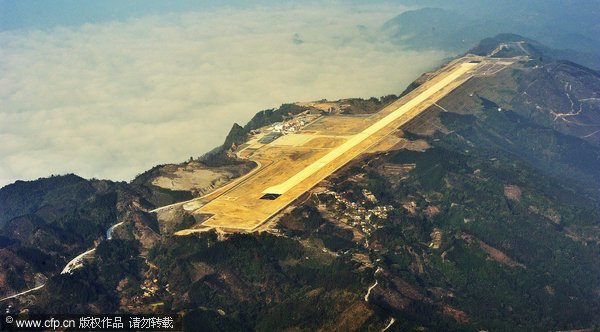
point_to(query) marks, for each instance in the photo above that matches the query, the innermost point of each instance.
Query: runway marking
(374, 128)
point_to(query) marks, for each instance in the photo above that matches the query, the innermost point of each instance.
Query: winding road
(73, 264)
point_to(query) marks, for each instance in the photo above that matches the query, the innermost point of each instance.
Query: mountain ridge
(402, 235)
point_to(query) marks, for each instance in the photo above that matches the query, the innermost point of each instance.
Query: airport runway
(290, 170)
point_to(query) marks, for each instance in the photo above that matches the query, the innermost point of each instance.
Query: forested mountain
(486, 218)
(456, 25)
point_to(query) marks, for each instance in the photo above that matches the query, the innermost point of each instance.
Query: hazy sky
(140, 86)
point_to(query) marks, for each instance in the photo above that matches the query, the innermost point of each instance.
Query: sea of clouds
(112, 99)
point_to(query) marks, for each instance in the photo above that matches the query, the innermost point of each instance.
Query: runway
(293, 164)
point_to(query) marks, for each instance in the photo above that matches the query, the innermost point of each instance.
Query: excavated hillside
(483, 215)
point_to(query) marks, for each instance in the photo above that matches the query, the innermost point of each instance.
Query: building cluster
(356, 214)
(149, 287)
(294, 124)
(288, 127)
(279, 129)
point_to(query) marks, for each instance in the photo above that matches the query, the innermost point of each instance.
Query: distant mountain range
(572, 28)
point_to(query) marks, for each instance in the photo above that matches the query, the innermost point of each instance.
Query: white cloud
(110, 100)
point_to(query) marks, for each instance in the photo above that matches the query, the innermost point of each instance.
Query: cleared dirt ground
(293, 164)
(196, 177)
